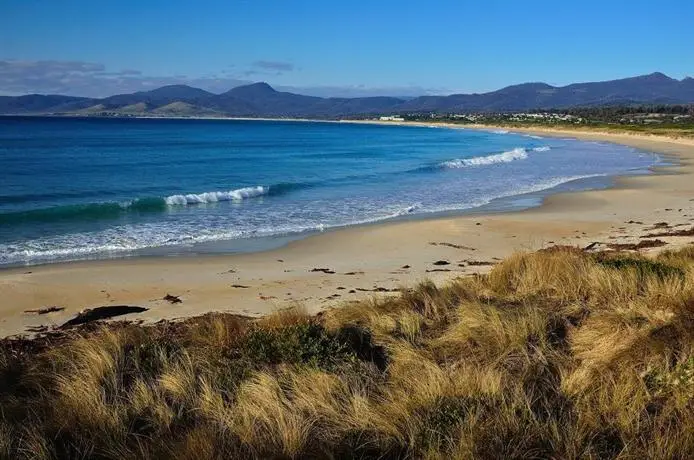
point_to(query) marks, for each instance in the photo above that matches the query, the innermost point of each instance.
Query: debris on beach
(45, 310)
(592, 245)
(99, 313)
(441, 262)
(636, 246)
(172, 298)
(478, 263)
(685, 232)
(378, 289)
(451, 245)
(239, 286)
(354, 273)
(266, 297)
(327, 271)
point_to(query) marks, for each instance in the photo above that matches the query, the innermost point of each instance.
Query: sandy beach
(329, 269)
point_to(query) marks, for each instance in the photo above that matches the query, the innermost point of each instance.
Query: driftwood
(43, 311)
(99, 313)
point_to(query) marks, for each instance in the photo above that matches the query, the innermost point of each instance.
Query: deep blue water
(84, 188)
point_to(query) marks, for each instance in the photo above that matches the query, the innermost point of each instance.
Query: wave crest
(213, 197)
(116, 210)
(518, 153)
(505, 157)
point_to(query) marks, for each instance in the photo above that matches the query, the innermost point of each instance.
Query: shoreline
(362, 259)
(221, 248)
(236, 246)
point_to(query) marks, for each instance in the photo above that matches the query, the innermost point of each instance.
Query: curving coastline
(363, 259)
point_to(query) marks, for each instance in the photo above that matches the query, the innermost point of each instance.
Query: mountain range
(261, 100)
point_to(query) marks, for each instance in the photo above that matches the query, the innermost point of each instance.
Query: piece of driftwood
(45, 310)
(99, 313)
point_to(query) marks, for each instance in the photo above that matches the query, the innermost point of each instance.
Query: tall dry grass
(554, 354)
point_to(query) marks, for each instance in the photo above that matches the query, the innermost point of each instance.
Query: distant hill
(158, 97)
(261, 100)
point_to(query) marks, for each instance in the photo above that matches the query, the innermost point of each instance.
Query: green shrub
(308, 344)
(644, 267)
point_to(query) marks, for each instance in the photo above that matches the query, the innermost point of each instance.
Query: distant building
(392, 118)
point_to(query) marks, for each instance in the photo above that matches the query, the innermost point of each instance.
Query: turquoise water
(96, 188)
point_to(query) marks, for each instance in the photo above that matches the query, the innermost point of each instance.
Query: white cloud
(91, 79)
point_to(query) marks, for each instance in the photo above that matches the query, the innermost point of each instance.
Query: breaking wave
(213, 197)
(518, 153)
(505, 157)
(115, 210)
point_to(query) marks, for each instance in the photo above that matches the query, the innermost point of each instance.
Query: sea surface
(99, 188)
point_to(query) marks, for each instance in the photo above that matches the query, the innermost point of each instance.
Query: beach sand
(363, 261)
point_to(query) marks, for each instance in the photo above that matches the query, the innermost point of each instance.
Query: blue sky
(330, 47)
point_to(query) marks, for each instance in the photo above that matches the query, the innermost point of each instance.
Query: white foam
(131, 238)
(500, 131)
(542, 149)
(213, 197)
(505, 157)
(514, 191)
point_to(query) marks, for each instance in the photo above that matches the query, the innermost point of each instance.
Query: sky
(337, 48)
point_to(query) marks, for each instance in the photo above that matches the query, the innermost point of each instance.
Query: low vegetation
(554, 354)
(664, 120)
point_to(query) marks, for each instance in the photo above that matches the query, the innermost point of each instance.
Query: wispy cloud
(276, 66)
(91, 79)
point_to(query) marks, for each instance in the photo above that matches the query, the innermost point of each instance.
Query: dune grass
(554, 354)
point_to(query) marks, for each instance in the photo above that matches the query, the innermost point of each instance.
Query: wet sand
(328, 269)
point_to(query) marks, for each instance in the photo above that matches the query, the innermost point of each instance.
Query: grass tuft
(553, 354)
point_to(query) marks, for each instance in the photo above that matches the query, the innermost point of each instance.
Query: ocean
(85, 188)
